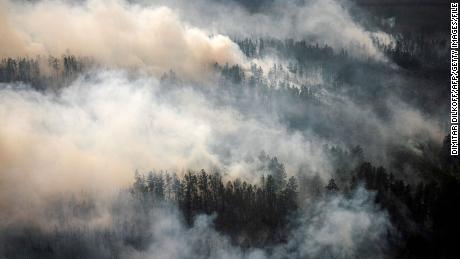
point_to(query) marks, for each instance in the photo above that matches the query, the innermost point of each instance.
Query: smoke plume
(115, 34)
(98, 131)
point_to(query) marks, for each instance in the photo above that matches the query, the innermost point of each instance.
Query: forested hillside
(226, 129)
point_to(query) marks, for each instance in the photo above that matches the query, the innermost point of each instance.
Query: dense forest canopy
(226, 129)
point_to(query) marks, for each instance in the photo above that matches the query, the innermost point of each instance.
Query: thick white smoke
(341, 227)
(171, 239)
(98, 131)
(317, 21)
(115, 34)
(159, 36)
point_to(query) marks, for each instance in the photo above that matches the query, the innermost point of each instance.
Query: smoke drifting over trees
(224, 129)
(114, 33)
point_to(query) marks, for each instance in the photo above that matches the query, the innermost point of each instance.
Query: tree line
(425, 213)
(240, 207)
(41, 72)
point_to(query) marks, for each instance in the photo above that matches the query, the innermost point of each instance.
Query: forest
(166, 129)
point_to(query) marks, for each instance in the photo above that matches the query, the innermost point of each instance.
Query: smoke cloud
(115, 34)
(96, 132)
(316, 21)
(342, 227)
(172, 239)
(335, 227)
(162, 36)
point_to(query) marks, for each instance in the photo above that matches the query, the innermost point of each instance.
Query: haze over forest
(226, 129)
